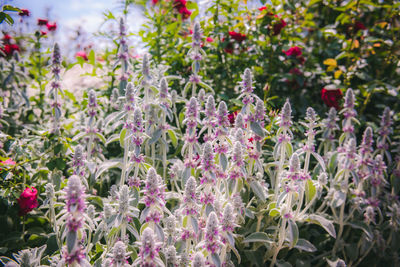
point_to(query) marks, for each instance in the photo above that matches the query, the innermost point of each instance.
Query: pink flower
(294, 51)
(209, 39)
(82, 54)
(27, 201)
(262, 8)
(51, 26)
(8, 162)
(180, 5)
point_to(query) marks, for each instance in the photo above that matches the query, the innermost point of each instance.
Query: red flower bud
(24, 12)
(42, 22)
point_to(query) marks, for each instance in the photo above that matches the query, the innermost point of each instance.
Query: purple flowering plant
(148, 174)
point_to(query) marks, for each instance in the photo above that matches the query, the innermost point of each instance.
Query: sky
(69, 14)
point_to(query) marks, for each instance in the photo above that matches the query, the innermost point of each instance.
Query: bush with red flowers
(27, 201)
(180, 6)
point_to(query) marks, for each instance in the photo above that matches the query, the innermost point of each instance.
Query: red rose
(279, 26)
(294, 51)
(9, 49)
(358, 25)
(229, 47)
(331, 97)
(154, 2)
(42, 22)
(51, 27)
(43, 33)
(237, 36)
(180, 5)
(82, 54)
(209, 39)
(184, 12)
(24, 12)
(27, 201)
(262, 8)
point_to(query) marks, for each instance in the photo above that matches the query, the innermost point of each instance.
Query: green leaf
(71, 240)
(293, 232)
(224, 161)
(274, 213)
(310, 190)
(92, 57)
(155, 136)
(395, 181)
(122, 137)
(2, 16)
(305, 245)
(105, 166)
(364, 227)
(258, 190)
(257, 237)
(173, 138)
(325, 223)
(257, 129)
(216, 260)
(9, 19)
(11, 8)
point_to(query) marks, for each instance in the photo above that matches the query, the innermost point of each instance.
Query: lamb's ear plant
(158, 179)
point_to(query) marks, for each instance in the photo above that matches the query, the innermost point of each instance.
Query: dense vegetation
(244, 135)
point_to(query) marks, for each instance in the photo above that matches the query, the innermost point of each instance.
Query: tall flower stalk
(56, 88)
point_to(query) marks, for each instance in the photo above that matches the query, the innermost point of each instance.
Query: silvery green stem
(125, 161)
(193, 89)
(164, 149)
(341, 217)
(280, 168)
(89, 147)
(282, 234)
